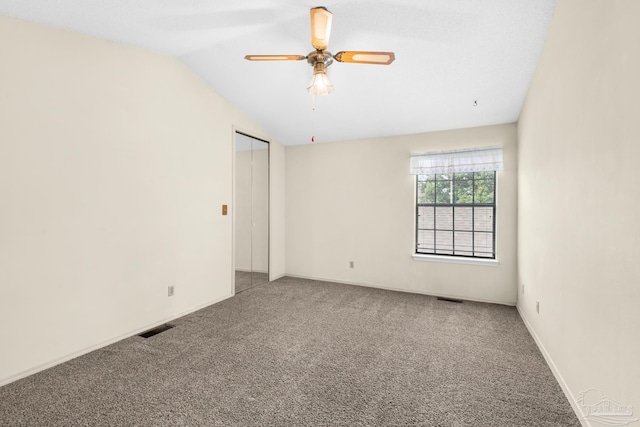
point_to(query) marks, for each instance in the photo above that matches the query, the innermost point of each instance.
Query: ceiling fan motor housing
(323, 57)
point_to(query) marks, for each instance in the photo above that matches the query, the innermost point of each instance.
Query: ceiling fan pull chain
(313, 118)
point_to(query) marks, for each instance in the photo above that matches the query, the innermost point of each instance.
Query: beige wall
(578, 228)
(114, 164)
(354, 201)
(277, 219)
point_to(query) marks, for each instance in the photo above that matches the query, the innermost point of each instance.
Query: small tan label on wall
(224, 209)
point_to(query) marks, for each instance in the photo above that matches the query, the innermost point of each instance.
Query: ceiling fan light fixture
(321, 58)
(320, 84)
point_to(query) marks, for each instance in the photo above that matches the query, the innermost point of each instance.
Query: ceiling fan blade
(359, 57)
(320, 27)
(275, 57)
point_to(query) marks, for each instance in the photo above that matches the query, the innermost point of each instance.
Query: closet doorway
(251, 211)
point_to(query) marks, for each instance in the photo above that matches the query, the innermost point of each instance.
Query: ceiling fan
(321, 58)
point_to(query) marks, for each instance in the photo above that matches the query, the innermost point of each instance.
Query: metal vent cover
(156, 330)
(449, 299)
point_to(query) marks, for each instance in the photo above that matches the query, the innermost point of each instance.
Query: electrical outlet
(538, 307)
(171, 290)
(523, 289)
(350, 264)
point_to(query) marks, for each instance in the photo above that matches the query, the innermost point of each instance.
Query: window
(456, 214)
(456, 202)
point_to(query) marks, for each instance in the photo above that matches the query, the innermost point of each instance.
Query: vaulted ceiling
(459, 63)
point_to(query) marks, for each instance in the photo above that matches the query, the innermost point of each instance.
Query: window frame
(453, 256)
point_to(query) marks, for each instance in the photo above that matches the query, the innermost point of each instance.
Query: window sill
(456, 260)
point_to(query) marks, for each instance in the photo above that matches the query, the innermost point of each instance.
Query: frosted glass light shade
(320, 84)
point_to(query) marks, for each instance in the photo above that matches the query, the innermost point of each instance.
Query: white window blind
(455, 161)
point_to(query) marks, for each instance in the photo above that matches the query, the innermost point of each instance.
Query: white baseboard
(66, 358)
(411, 291)
(554, 369)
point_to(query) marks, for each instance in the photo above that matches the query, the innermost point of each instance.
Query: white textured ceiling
(450, 56)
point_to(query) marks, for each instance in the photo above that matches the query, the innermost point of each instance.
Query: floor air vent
(156, 330)
(449, 299)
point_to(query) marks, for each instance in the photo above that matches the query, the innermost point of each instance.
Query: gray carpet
(303, 353)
